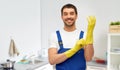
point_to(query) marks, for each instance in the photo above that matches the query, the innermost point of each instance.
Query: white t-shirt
(68, 38)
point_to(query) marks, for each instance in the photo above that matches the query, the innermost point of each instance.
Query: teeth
(69, 20)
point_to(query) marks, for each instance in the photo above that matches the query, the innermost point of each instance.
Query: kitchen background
(30, 22)
(20, 21)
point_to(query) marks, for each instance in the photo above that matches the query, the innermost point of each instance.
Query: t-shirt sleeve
(84, 37)
(53, 43)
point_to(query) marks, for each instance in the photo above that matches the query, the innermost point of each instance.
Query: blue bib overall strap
(59, 39)
(81, 35)
(76, 62)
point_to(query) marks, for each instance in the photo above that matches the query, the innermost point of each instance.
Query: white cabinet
(45, 67)
(96, 68)
(113, 51)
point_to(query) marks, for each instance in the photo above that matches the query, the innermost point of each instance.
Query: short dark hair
(68, 6)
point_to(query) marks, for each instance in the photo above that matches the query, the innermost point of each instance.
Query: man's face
(69, 16)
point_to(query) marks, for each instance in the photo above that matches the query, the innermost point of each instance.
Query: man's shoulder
(54, 32)
(79, 30)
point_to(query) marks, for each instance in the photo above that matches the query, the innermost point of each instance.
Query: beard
(69, 24)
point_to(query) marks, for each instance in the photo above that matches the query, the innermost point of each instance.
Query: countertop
(43, 61)
(30, 66)
(93, 63)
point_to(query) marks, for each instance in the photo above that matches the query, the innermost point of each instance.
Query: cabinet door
(95, 68)
(113, 51)
(45, 67)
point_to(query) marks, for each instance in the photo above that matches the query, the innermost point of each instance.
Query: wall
(20, 20)
(104, 10)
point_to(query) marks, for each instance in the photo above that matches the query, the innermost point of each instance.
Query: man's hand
(91, 24)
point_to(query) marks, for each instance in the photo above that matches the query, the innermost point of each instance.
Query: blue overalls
(76, 62)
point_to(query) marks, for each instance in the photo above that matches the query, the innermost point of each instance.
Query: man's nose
(68, 16)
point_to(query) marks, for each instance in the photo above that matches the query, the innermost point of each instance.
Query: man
(68, 50)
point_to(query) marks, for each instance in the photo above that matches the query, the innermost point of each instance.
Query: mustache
(69, 19)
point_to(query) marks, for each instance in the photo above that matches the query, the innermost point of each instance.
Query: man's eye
(72, 13)
(65, 14)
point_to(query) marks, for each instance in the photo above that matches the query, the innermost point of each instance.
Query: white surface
(29, 66)
(45, 67)
(92, 65)
(95, 68)
(20, 20)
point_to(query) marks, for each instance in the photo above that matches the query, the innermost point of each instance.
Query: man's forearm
(55, 58)
(89, 52)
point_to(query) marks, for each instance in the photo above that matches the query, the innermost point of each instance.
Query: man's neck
(69, 29)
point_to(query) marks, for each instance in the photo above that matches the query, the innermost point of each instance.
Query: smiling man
(69, 49)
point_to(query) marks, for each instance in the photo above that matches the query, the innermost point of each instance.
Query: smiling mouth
(69, 20)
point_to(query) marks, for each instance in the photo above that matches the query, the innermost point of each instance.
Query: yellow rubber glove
(90, 28)
(79, 44)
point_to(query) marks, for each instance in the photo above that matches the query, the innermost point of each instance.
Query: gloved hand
(90, 28)
(79, 44)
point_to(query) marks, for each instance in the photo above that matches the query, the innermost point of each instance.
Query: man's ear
(61, 16)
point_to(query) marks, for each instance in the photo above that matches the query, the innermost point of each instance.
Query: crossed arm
(55, 58)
